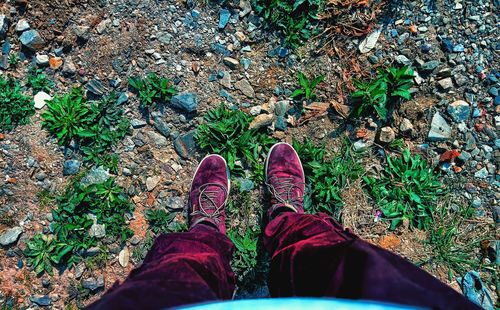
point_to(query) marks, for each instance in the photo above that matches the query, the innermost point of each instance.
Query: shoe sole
(227, 173)
(269, 155)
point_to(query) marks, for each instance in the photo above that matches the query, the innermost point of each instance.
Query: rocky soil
(225, 53)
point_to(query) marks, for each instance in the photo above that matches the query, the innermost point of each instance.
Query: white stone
(41, 99)
(42, 60)
(152, 182)
(22, 25)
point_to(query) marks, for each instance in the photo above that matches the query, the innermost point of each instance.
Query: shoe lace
(282, 190)
(206, 202)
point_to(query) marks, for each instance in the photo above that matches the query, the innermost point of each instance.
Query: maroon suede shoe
(209, 192)
(285, 179)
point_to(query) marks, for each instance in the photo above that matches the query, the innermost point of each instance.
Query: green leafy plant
(407, 189)
(226, 132)
(96, 126)
(38, 81)
(105, 202)
(161, 221)
(152, 89)
(245, 257)
(294, 19)
(327, 177)
(390, 87)
(307, 87)
(15, 107)
(43, 252)
(13, 59)
(67, 117)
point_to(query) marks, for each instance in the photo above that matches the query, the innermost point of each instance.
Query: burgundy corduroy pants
(312, 255)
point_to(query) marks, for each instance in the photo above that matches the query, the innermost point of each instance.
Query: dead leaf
(342, 109)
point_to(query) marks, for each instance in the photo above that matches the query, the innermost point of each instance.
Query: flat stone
(138, 123)
(69, 68)
(41, 300)
(429, 65)
(159, 140)
(71, 167)
(185, 144)
(186, 102)
(261, 121)
(152, 182)
(403, 60)
(459, 111)
(245, 87)
(225, 79)
(445, 84)
(10, 236)
(440, 130)
(369, 42)
(97, 230)
(175, 203)
(482, 173)
(96, 87)
(406, 125)
(82, 32)
(123, 257)
(32, 40)
(231, 62)
(93, 283)
(41, 99)
(22, 25)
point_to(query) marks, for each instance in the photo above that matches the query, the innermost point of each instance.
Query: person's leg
(189, 267)
(312, 255)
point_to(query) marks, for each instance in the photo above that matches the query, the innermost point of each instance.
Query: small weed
(226, 132)
(45, 198)
(15, 107)
(152, 89)
(307, 87)
(105, 201)
(294, 19)
(407, 189)
(96, 126)
(382, 94)
(245, 257)
(98, 261)
(160, 221)
(327, 177)
(13, 59)
(43, 252)
(140, 251)
(456, 242)
(38, 81)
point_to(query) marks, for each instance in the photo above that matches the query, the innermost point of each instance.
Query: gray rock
(245, 87)
(4, 26)
(32, 40)
(93, 283)
(280, 123)
(22, 25)
(175, 203)
(152, 182)
(159, 140)
(71, 167)
(186, 102)
(406, 125)
(440, 130)
(79, 270)
(96, 175)
(161, 126)
(135, 240)
(138, 123)
(459, 111)
(164, 37)
(10, 236)
(445, 84)
(225, 79)
(429, 65)
(246, 185)
(82, 32)
(41, 300)
(387, 135)
(403, 60)
(185, 144)
(69, 68)
(482, 173)
(96, 87)
(123, 98)
(360, 145)
(97, 230)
